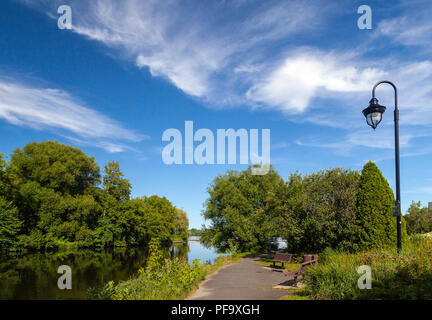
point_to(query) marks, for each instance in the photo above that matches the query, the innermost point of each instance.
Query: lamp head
(374, 113)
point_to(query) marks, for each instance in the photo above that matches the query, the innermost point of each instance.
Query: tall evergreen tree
(375, 223)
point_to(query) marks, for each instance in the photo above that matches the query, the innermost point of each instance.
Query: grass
(287, 266)
(295, 296)
(163, 279)
(404, 276)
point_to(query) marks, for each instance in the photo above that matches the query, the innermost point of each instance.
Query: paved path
(244, 280)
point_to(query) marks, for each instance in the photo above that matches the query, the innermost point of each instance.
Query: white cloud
(300, 77)
(235, 53)
(195, 46)
(45, 108)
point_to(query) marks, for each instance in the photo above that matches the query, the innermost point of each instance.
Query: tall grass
(161, 278)
(404, 276)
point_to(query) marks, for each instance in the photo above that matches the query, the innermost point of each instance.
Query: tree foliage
(418, 219)
(375, 223)
(195, 232)
(335, 208)
(181, 224)
(238, 208)
(319, 210)
(9, 223)
(114, 182)
(51, 195)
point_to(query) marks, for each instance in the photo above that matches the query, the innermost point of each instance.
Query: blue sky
(129, 70)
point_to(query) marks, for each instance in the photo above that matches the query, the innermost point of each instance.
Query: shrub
(161, 279)
(375, 224)
(404, 276)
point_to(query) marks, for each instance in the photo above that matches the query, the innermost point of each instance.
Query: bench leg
(274, 264)
(282, 265)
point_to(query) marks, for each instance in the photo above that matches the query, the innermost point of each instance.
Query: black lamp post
(373, 115)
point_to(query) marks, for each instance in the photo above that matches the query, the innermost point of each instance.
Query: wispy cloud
(379, 139)
(412, 28)
(56, 110)
(246, 53)
(199, 47)
(303, 74)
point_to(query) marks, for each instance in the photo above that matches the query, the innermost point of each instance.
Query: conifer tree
(375, 223)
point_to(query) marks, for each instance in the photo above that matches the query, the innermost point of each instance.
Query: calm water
(34, 276)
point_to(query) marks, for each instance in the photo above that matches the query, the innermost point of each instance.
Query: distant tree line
(419, 218)
(337, 208)
(195, 232)
(54, 195)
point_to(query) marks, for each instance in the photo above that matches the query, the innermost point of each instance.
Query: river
(34, 275)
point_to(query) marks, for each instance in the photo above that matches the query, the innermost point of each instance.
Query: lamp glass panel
(374, 118)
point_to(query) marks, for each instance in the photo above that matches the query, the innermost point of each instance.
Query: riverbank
(162, 279)
(33, 275)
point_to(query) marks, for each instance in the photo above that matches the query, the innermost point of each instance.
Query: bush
(161, 279)
(404, 276)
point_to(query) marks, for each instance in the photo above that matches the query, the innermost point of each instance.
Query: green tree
(375, 223)
(146, 218)
(181, 224)
(9, 223)
(238, 209)
(195, 232)
(418, 219)
(114, 182)
(112, 228)
(52, 183)
(50, 196)
(56, 166)
(3, 179)
(318, 210)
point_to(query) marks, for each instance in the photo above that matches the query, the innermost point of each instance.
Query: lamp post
(373, 115)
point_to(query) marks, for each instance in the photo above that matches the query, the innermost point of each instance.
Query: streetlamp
(373, 115)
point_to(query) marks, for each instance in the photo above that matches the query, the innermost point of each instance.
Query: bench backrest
(283, 256)
(307, 257)
(310, 257)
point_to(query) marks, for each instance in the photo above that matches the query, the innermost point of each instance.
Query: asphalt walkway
(244, 280)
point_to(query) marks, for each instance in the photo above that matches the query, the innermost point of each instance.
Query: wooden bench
(308, 260)
(282, 258)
